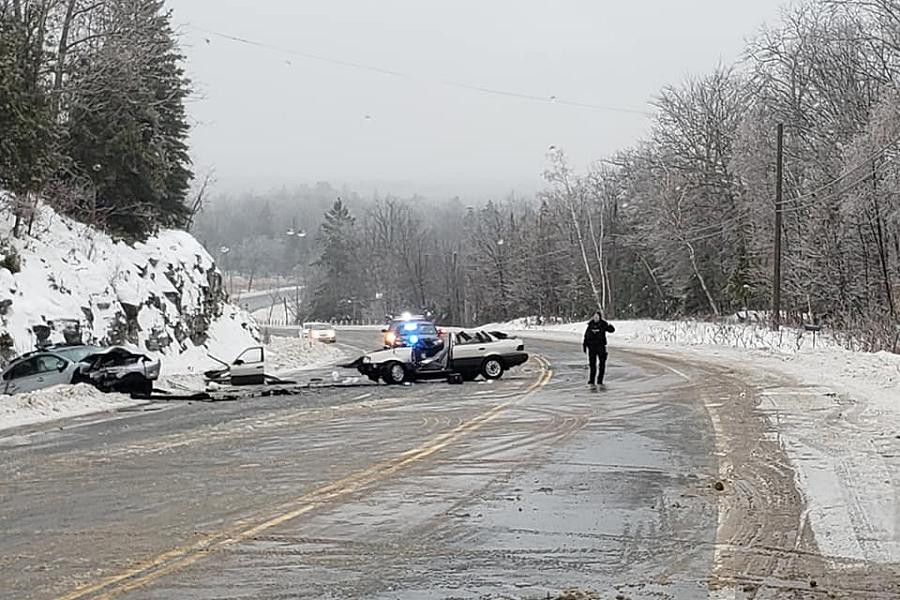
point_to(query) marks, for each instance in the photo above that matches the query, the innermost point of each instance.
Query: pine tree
(127, 124)
(26, 124)
(338, 285)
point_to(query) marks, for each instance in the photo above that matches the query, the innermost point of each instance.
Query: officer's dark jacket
(595, 334)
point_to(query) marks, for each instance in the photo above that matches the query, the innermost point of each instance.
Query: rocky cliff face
(69, 282)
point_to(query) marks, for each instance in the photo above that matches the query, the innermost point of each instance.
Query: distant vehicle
(466, 353)
(115, 369)
(118, 369)
(320, 332)
(408, 330)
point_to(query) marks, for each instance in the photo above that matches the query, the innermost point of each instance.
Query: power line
(393, 73)
(863, 163)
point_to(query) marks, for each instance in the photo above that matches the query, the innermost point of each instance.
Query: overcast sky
(265, 118)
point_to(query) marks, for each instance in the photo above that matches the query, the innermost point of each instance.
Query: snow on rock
(57, 403)
(164, 296)
(838, 418)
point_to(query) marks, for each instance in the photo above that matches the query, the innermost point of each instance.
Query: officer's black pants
(597, 362)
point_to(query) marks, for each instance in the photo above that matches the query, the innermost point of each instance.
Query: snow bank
(57, 403)
(287, 354)
(164, 296)
(839, 424)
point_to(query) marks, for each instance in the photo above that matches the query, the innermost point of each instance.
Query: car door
(249, 367)
(468, 352)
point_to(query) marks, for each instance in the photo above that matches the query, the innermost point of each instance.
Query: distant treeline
(682, 223)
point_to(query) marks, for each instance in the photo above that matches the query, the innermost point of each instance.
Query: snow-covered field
(839, 425)
(274, 314)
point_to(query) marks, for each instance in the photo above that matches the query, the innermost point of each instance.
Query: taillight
(520, 348)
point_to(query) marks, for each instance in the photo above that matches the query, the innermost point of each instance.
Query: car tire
(394, 373)
(492, 368)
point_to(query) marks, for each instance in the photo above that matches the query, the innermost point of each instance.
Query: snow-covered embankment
(66, 281)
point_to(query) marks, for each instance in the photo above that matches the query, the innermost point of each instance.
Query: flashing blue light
(413, 339)
(410, 326)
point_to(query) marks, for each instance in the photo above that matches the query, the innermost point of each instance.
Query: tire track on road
(185, 555)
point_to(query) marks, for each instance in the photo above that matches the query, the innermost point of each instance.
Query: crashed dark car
(118, 369)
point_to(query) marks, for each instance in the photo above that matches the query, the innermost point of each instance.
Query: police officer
(595, 346)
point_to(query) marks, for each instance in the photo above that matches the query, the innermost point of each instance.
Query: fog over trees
(680, 223)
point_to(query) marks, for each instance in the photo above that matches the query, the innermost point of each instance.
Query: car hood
(119, 349)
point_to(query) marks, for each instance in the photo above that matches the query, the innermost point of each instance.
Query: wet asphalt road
(511, 489)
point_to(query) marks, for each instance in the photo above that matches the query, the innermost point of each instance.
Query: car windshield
(320, 326)
(77, 353)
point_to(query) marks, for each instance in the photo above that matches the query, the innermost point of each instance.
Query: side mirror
(61, 366)
(384, 331)
(238, 362)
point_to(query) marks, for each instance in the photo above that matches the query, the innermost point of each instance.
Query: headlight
(366, 359)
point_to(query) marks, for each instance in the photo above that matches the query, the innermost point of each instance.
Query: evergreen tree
(338, 287)
(127, 124)
(26, 124)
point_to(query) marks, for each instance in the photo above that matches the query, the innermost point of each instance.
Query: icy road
(662, 486)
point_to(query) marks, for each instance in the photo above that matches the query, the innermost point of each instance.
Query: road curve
(512, 489)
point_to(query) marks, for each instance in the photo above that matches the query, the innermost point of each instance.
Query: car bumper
(516, 359)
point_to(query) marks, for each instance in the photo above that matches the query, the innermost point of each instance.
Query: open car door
(249, 367)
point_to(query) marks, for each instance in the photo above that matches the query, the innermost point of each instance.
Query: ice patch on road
(58, 403)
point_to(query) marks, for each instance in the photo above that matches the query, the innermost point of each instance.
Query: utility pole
(776, 280)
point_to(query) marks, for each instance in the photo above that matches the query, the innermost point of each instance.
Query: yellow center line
(183, 556)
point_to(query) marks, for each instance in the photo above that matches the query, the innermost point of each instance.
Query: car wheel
(492, 368)
(394, 373)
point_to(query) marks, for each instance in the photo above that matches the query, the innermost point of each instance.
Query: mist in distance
(266, 118)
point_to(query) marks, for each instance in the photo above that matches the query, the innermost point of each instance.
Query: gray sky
(265, 119)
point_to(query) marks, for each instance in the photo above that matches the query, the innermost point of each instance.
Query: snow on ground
(839, 425)
(57, 403)
(284, 357)
(288, 354)
(274, 314)
(75, 283)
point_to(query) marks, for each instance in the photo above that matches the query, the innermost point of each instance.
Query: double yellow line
(183, 556)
